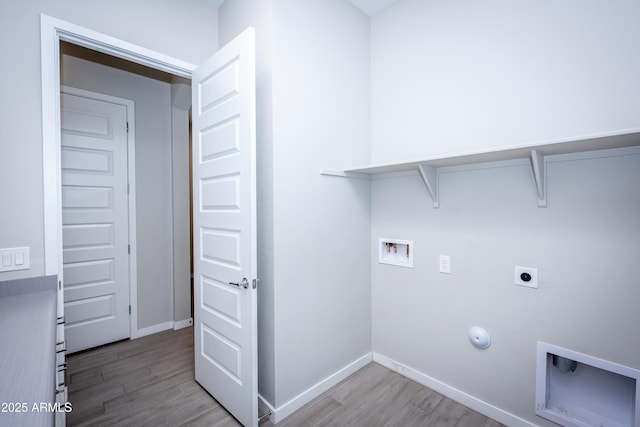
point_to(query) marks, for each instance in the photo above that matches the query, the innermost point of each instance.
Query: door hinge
(129, 308)
(127, 127)
(129, 249)
(128, 188)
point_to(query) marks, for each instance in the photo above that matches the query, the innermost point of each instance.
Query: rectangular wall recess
(395, 252)
(574, 389)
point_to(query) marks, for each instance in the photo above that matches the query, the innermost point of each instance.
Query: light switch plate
(15, 259)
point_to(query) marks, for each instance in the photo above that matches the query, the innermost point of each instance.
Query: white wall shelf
(536, 152)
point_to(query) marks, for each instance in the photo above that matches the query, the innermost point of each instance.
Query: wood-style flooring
(150, 382)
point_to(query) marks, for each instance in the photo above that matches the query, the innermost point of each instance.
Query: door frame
(52, 32)
(131, 195)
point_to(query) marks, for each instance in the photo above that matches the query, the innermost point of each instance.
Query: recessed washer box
(395, 252)
(574, 389)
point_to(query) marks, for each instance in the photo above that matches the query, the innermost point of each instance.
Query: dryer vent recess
(570, 389)
(395, 252)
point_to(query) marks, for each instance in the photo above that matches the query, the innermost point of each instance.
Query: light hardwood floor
(150, 382)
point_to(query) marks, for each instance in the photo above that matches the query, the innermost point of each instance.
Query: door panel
(94, 221)
(224, 210)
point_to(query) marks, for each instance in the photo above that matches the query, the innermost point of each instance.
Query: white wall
(154, 225)
(585, 245)
(313, 112)
(235, 16)
(450, 77)
(181, 202)
(186, 30)
(321, 224)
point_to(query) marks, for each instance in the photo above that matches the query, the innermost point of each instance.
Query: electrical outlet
(445, 264)
(525, 276)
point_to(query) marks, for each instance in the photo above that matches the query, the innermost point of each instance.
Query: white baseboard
(154, 329)
(459, 396)
(280, 413)
(181, 324)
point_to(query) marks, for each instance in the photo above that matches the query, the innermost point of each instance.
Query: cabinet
(29, 358)
(60, 369)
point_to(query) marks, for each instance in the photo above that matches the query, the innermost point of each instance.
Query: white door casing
(95, 226)
(52, 31)
(224, 206)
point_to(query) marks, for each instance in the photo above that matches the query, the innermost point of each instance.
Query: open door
(224, 218)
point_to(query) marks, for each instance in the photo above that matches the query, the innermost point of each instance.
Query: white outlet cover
(445, 264)
(517, 276)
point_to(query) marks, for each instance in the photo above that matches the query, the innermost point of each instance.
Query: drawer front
(60, 334)
(61, 399)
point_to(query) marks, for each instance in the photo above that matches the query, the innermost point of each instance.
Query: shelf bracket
(429, 175)
(342, 174)
(539, 174)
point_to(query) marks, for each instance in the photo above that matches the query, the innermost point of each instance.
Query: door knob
(243, 284)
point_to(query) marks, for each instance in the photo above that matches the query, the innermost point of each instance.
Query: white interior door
(224, 211)
(94, 221)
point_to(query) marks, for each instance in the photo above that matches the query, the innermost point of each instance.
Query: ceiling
(372, 7)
